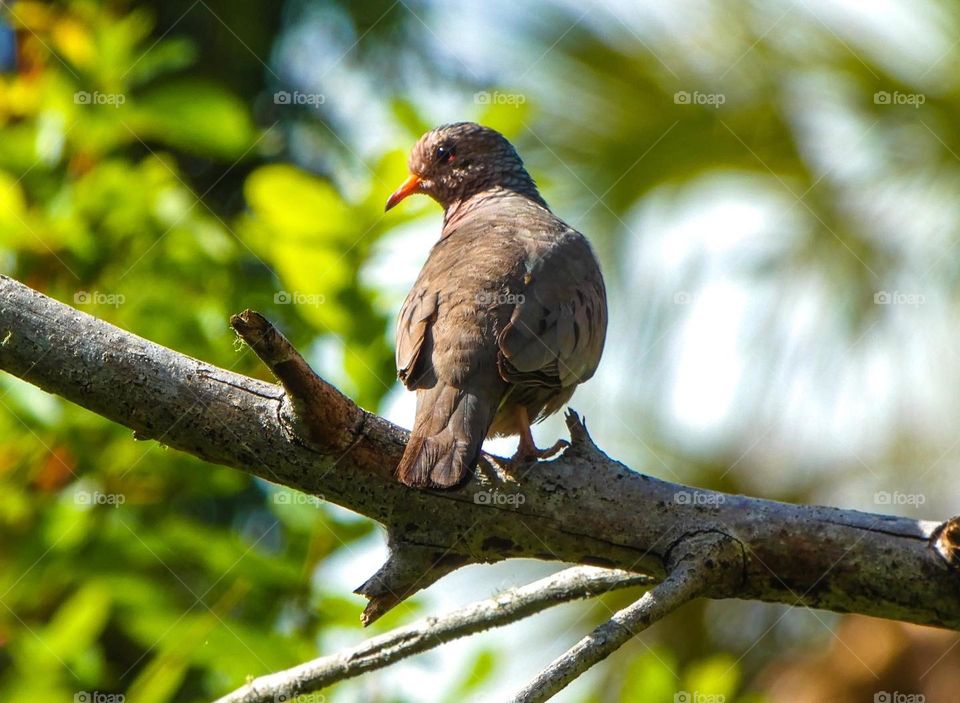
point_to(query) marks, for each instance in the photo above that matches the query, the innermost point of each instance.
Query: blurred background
(771, 188)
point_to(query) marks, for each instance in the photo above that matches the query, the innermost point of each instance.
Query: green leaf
(164, 57)
(12, 203)
(717, 676)
(78, 622)
(506, 111)
(483, 668)
(407, 115)
(651, 678)
(195, 115)
(307, 233)
(296, 205)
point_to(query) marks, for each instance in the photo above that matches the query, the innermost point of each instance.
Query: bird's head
(456, 161)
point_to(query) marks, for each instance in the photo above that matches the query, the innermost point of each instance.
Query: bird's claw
(527, 454)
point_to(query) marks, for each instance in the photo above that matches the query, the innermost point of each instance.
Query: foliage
(128, 568)
(148, 178)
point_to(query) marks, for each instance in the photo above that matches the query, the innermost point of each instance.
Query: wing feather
(413, 328)
(557, 330)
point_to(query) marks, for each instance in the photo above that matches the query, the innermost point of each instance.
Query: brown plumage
(508, 315)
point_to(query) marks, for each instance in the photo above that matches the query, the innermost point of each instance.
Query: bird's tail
(446, 438)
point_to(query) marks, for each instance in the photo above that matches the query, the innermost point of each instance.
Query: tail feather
(445, 442)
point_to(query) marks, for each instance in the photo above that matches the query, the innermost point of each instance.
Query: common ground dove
(508, 315)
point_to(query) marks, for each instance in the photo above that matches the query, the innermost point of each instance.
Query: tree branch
(512, 605)
(582, 507)
(319, 412)
(692, 575)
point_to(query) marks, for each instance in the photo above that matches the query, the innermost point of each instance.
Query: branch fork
(318, 412)
(581, 507)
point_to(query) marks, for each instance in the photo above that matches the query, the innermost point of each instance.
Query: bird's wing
(556, 332)
(413, 327)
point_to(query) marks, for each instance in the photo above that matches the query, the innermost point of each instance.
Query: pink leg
(528, 450)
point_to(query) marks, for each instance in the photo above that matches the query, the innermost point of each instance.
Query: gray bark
(694, 570)
(582, 507)
(378, 652)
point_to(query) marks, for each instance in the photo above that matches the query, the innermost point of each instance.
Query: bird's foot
(527, 453)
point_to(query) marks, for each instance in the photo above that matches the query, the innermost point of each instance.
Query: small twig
(408, 569)
(693, 574)
(378, 652)
(946, 542)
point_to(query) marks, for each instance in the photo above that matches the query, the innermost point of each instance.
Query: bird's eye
(444, 154)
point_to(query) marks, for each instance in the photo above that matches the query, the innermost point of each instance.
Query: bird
(507, 317)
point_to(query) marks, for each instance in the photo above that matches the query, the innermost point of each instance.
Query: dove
(507, 317)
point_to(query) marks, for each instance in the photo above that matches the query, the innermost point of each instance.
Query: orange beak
(409, 187)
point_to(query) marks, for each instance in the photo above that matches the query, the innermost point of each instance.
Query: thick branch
(378, 652)
(581, 508)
